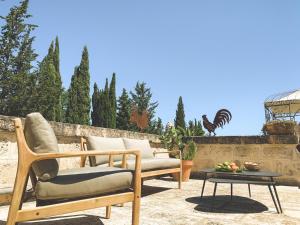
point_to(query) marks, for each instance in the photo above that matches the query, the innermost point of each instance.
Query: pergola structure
(283, 106)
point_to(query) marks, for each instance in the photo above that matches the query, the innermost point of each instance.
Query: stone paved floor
(164, 204)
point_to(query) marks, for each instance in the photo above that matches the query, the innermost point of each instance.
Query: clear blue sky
(216, 54)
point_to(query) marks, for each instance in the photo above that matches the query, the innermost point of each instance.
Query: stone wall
(68, 136)
(274, 153)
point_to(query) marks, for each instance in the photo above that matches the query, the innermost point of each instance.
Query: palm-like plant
(173, 138)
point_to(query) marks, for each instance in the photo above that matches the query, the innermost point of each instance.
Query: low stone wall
(68, 136)
(274, 153)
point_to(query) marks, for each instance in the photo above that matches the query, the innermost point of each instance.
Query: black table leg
(231, 191)
(215, 189)
(203, 186)
(269, 186)
(249, 190)
(276, 194)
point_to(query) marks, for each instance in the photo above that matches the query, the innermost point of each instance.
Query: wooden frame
(146, 174)
(25, 159)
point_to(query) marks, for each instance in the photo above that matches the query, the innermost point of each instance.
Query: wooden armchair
(64, 203)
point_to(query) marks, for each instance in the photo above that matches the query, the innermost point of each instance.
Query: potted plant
(277, 127)
(187, 160)
(174, 139)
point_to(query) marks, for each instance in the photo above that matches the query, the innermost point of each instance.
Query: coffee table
(245, 177)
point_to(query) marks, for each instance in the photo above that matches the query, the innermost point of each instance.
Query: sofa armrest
(177, 152)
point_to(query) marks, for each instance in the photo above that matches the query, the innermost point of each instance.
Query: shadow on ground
(65, 220)
(150, 190)
(223, 204)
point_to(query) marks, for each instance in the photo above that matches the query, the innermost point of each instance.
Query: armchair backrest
(40, 138)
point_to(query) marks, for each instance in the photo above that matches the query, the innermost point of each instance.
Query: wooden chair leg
(108, 212)
(136, 211)
(16, 202)
(136, 204)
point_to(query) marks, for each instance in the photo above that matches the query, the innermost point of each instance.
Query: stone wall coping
(259, 139)
(67, 130)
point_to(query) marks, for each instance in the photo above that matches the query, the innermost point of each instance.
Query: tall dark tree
(123, 111)
(198, 128)
(180, 115)
(159, 127)
(78, 110)
(195, 128)
(142, 99)
(46, 93)
(48, 88)
(73, 110)
(16, 62)
(113, 101)
(58, 83)
(106, 106)
(64, 103)
(96, 107)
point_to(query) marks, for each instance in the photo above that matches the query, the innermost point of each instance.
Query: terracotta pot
(186, 171)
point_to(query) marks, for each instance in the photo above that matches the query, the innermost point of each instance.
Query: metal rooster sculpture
(222, 117)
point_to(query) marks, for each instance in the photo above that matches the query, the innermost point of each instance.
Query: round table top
(259, 173)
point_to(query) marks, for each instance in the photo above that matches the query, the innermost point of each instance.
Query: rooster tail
(222, 117)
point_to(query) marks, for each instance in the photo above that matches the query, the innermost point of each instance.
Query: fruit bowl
(228, 167)
(251, 166)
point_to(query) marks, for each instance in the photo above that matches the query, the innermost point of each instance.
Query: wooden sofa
(151, 166)
(60, 192)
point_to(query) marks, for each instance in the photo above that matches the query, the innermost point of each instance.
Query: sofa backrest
(40, 138)
(104, 144)
(142, 145)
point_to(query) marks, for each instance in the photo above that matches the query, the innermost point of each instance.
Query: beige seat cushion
(40, 138)
(142, 145)
(105, 144)
(84, 182)
(152, 164)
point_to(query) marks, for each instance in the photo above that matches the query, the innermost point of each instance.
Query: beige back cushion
(40, 138)
(104, 144)
(142, 145)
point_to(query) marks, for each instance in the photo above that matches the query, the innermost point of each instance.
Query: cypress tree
(95, 106)
(142, 99)
(101, 109)
(106, 106)
(46, 88)
(195, 128)
(64, 103)
(191, 126)
(16, 58)
(159, 127)
(113, 101)
(78, 110)
(123, 111)
(58, 83)
(72, 110)
(180, 116)
(198, 128)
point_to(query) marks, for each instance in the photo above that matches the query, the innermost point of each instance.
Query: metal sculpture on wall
(140, 119)
(222, 117)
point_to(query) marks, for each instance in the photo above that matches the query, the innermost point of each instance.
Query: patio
(164, 204)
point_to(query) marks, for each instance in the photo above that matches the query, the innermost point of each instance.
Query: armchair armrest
(43, 156)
